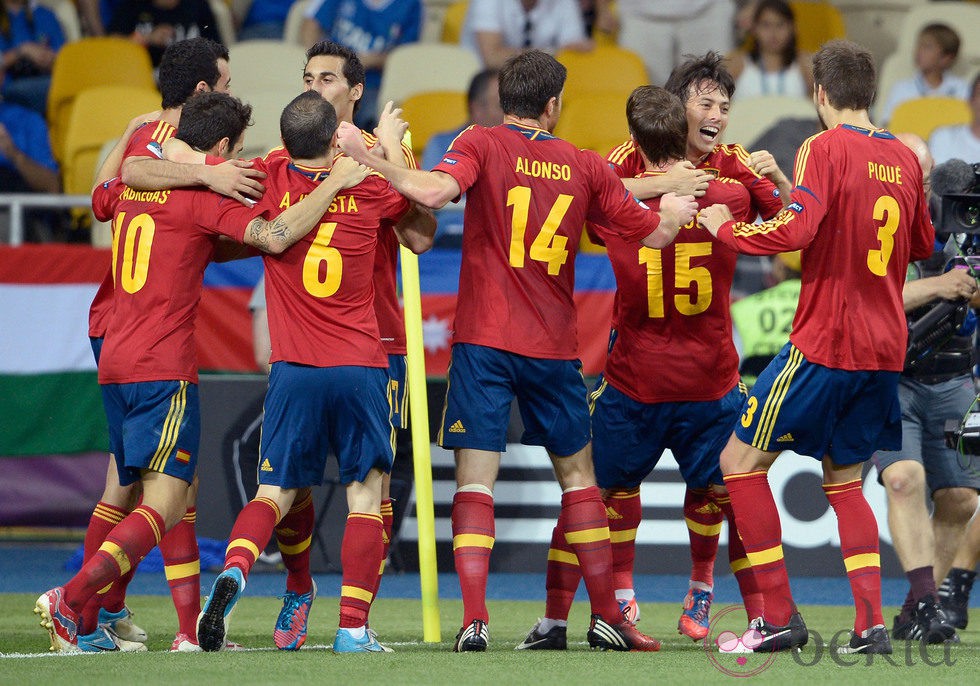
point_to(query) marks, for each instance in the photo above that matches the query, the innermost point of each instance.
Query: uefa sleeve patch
(155, 148)
(448, 160)
(796, 207)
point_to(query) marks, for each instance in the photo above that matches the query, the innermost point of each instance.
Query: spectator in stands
(265, 19)
(158, 23)
(499, 29)
(371, 28)
(772, 64)
(935, 53)
(30, 37)
(483, 106)
(963, 140)
(661, 32)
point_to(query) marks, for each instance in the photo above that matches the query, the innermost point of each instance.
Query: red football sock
(563, 575)
(703, 519)
(360, 559)
(758, 525)
(858, 532)
(103, 520)
(294, 533)
(583, 518)
(182, 567)
(473, 532)
(124, 547)
(739, 562)
(387, 517)
(251, 533)
(624, 511)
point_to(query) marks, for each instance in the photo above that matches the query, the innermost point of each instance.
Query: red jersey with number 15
(859, 214)
(320, 292)
(528, 195)
(672, 317)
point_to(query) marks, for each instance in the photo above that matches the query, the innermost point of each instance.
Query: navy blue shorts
(153, 426)
(815, 410)
(96, 348)
(311, 411)
(628, 437)
(551, 396)
(398, 391)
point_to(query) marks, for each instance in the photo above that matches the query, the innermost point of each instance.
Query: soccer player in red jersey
(189, 66)
(327, 350)
(705, 87)
(528, 196)
(859, 214)
(671, 379)
(162, 242)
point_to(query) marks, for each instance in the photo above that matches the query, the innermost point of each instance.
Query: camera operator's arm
(953, 285)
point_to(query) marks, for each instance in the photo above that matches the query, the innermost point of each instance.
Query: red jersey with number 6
(672, 319)
(528, 196)
(859, 214)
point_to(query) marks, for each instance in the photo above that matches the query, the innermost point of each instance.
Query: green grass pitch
(24, 658)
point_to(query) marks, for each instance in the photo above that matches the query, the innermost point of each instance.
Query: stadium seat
(750, 117)
(875, 23)
(921, 115)
(294, 22)
(92, 62)
(420, 67)
(816, 23)
(67, 16)
(595, 123)
(267, 105)
(260, 64)
(100, 114)
(964, 17)
(226, 25)
(433, 112)
(452, 21)
(606, 68)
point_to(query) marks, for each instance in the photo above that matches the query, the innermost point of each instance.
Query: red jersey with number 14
(859, 214)
(320, 292)
(528, 195)
(672, 318)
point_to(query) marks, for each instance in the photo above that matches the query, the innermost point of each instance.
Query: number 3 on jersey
(547, 247)
(886, 208)
(323, 266)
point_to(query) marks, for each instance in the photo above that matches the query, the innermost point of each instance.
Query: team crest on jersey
(796, 207)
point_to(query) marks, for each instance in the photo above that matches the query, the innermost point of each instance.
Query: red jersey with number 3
(729, 161)
(320, 292)
(672, 317)
(860, 216)
(161, 243)
(391, 319)
(528, 196)
(146, 141)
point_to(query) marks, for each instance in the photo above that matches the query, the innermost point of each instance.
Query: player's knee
(955, 504)
(904, 480)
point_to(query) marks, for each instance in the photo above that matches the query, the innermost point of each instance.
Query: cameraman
(935, 386)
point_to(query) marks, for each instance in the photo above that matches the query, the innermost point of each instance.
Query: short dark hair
(208, 117)
(847, 73)
(353, 67)
(528, 81)
(480, 83)
(946, 36)
(185, 64)
(307, 125)
(658, 122)
(696, 70)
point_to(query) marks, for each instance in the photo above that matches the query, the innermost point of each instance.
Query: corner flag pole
(419, 416)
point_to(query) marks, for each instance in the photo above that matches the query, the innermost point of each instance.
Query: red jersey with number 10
(528, 196)
(672, 317)
(859, 213)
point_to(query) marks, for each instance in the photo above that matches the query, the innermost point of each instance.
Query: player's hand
(712, 217)
(679, 209)
(236, 179)
(391, 127)
(956, 284)
(764, 164)
(684, 179)
(350, 140)
(348, 172)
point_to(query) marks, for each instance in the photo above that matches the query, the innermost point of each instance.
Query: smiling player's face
(707, 116)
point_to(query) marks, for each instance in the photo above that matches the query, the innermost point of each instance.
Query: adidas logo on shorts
(785, 438)
(266, 467)
(457, 427)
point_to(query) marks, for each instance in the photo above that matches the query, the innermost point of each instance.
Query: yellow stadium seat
(921, 115)
(100, 114)
(596, 123)
(294, 22)
(223, 18)
(431, 113)
(260, 64)
(67, 16)
(420, 67)
(816, 23)
(751, 117)
(452, 22)
(606, 68)
(88, 63)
